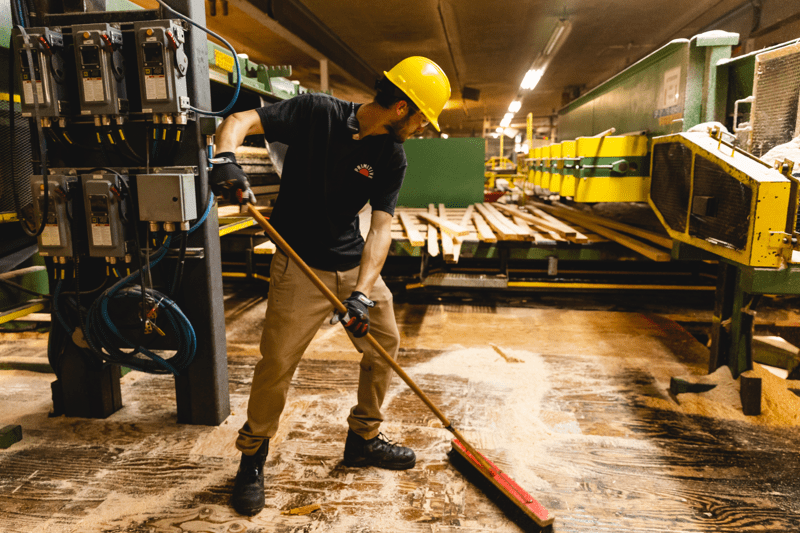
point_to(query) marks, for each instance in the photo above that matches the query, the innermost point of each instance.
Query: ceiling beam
(293, 22)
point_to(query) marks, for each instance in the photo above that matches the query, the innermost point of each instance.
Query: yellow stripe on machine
(234, 224)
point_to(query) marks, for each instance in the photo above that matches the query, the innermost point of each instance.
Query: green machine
(709, 187)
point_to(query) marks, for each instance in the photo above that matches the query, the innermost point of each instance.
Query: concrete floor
(572, 404)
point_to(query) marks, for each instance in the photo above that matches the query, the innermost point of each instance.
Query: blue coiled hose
(105, 338)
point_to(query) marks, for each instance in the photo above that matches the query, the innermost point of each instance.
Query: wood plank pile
(443, 230)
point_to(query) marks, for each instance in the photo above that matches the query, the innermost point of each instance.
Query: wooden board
(433, 235)
(444, 225)
(503, 229)
(466, 218)
(447, 239)
(651, 252)
(548, 223)
(411, 231)
(484, 231)
(661, 240)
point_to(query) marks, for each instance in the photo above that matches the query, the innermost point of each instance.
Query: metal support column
(733, 322)
(202, 391)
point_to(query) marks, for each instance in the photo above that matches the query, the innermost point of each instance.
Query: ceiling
(484, 45)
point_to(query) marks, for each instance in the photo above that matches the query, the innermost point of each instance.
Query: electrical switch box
(166, 197)
(106, 201)
(101, 69)
(162, 66)
(57, 239)
(42, 68)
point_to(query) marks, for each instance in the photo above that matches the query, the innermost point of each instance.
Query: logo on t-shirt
(365, 170)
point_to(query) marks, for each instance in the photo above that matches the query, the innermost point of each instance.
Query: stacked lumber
(443, 230)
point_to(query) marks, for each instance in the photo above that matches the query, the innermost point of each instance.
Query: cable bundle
(104, 336)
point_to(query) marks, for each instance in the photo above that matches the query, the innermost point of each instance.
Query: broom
(518, 505)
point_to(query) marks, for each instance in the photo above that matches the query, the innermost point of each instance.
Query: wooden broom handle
(340, 308)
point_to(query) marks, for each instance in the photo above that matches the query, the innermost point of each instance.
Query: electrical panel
(57, 238)
(42, 68)
(106, 205)
(101, 69)
(162, 64)
(166, 197)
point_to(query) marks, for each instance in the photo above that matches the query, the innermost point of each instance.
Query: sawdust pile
(779, 405)
(790, 151)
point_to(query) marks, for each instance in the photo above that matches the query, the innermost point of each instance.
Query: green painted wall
(447, 171)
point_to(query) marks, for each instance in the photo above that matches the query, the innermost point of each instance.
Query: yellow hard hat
(425, 83)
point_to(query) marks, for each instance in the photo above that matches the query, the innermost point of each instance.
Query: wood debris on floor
(572, 404)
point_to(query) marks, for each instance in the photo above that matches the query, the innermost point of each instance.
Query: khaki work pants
(295, 311)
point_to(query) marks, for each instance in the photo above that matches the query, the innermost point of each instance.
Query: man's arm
(226, 176)
(231, 133)
(376, 248)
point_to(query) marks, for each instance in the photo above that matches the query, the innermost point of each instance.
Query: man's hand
(228, 179)
(357, 317)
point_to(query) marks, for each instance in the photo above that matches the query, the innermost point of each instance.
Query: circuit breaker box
(43, 69)
(57, 239)
(162, 65)
(106, 202)
(101, 69)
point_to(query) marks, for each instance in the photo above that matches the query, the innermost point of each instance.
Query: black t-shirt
(328, 178)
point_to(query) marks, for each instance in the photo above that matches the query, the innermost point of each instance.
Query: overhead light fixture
(506, 122)
(557, 38)
(531, 79)
(515, 106)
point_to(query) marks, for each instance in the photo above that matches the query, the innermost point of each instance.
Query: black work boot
(379, 451)
(248, 487)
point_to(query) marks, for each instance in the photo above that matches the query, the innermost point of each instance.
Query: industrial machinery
(712, 193)
(718, 198)
(121, 203)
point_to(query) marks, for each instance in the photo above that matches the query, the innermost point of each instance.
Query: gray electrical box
(47, 75)
(101, 69)
(57, 239)
(162, 66)
(166, 197)
(105, 203)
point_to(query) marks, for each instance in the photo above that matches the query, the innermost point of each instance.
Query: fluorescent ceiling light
(499, 130)
(515, 106)
(555, 37)
(531, 78)
(506, 122)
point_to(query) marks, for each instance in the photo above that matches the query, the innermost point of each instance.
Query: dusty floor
(562, 400)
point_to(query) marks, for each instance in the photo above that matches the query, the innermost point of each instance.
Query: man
(340, 156)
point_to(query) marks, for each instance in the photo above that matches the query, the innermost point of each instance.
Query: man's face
(412, 123)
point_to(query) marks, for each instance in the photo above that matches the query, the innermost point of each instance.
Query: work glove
(229, 180)
(356, 320)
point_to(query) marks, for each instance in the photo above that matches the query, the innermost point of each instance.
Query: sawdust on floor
(779, 405)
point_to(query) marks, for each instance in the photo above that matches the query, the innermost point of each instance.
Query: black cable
(131, 153)
(90, 291)
(235, 61)
(176, 282)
